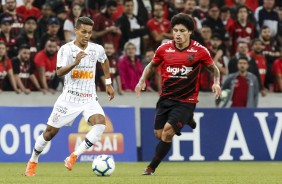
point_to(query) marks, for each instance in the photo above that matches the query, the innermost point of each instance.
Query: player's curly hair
(184, 19)
(85, 21)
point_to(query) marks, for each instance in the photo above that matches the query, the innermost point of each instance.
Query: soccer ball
(103, 165)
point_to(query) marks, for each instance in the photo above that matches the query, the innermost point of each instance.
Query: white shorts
(64, 112)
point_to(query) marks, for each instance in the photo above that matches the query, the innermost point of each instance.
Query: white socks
(38, 148)
(93, 136)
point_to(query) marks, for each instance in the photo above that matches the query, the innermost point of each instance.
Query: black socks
(161, 151)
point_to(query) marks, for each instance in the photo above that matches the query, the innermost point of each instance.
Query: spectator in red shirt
(130, 68)
(241, 30)
(24, 69)
(45, 63)
(271, 53)
(10, 11)
(256, 53)
(6, 70)
(277, 72)
(159, 27)
(7, 37)
(28, 9)
(104, 28)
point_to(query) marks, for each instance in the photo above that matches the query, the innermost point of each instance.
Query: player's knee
(157, 135)
(49, 133)
(167, 135)
(97, 119)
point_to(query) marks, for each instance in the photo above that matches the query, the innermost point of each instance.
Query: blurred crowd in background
(32, 31)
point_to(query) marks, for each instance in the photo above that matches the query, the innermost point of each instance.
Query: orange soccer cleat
(30, 169)
(70, 161)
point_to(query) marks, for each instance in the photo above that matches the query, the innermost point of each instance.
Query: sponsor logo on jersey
(169, 50)
(192, 50)
(82, 74)
(183, 71)
(191, 57)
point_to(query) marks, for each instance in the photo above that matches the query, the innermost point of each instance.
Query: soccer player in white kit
(77, 62)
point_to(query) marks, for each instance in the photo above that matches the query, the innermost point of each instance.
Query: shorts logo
(55, 117)
(82, 74)
(179, 125)
(61, 109)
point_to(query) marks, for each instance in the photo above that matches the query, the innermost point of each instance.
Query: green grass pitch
(130, 173)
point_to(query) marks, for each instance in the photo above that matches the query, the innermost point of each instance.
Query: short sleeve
(39, 60)
(68, 25)
(206, 57)
(275, 67)
(158, 57)
(9, 64)
(62, 56)
(16, 65)
(101, 54)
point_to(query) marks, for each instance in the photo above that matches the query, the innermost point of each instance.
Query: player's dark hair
(85, 21)
(111, 3)
(242, 7)
(184, 19)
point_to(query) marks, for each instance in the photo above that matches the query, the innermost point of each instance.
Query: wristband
(108, 81)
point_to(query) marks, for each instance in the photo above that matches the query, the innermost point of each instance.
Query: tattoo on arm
(215, 72)
(149, 70)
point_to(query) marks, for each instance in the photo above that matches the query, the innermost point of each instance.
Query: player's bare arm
(61, 71)
(148, 71)
(216, 85)
(109, 87)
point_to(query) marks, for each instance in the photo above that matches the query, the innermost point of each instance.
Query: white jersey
(79, 84)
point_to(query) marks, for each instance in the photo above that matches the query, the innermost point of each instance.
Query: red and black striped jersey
(238, 33)
(180, 70)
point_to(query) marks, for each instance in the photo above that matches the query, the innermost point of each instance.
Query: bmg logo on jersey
(82, 74)
(180, 71)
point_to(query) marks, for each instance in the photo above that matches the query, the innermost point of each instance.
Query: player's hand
(217, 90)
(139, 87)
(26, 91)
(79, 56)
(52, 91)
(110, 91)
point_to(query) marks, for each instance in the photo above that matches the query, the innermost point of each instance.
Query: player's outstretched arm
(66, 69)
(109, 88)
(216, 85)
(148, 71)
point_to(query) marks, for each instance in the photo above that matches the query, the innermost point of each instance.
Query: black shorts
(175, 113)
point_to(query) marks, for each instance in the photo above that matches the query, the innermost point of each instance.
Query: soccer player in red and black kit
(181, 60)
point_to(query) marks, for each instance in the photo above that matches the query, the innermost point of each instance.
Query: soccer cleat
(192, 124)
(70, 161)
(148, 171)
(30, 169)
